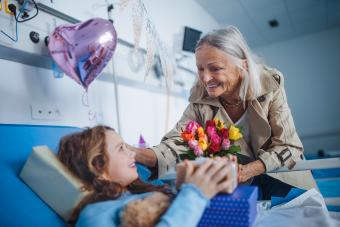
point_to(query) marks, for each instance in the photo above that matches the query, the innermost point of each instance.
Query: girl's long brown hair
(73, 152)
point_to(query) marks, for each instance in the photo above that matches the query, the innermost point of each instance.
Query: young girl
(106, 165)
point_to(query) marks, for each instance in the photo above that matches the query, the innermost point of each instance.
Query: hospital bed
(20, 206)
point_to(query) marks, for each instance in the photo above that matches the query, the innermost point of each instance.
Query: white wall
(311, 66)
(142, 104)
(22, 86)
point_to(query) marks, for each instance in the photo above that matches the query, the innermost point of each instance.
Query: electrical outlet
(45, 112)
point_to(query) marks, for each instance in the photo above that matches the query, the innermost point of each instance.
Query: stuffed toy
(145, 212)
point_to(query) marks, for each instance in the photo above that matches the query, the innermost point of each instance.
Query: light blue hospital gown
(185, 210)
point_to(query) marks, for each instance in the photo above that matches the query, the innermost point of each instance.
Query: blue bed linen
(293, 193)
(106, 213)
(144, 174)
(185, 210)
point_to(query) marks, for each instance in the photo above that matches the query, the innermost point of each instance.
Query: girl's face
(121, 167)
(217, 72)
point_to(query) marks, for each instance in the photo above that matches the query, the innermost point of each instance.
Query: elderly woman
(233, 87)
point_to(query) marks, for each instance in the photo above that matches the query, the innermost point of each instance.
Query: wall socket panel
(45, 112)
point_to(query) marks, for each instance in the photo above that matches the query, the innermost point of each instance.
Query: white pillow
(52, 181)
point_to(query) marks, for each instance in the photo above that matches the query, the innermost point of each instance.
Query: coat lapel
(260, 130)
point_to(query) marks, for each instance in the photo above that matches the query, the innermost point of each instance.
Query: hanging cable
(25, 13)
(13, 9)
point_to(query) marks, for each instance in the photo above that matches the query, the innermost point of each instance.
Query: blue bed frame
(19, 206)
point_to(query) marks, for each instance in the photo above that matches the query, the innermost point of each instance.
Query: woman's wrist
(257, 167)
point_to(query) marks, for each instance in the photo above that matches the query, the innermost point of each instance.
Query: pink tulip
(215, 139)
(211, 131)
(198, 151)
(226, 144)
(192, 127)
(193, 144)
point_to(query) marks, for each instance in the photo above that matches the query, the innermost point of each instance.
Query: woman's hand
(144, 156)
(211, 177)
(245, 172)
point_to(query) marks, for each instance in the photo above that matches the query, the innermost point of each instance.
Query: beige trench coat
(273, 136)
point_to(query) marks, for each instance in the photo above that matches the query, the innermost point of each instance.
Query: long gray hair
(231, 41)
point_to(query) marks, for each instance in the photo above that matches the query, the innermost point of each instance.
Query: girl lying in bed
(106, 165)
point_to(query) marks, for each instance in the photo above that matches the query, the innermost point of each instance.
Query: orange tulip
(187, 136)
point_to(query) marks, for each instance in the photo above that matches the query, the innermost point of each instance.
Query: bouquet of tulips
(213, 140)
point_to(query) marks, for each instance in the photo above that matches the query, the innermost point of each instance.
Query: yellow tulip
(234, 133)
(202, 143)
(200, 132)
(219, 124)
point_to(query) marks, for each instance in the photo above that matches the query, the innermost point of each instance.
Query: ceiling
(295, 17)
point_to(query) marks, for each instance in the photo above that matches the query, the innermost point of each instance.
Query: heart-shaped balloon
(83, 50)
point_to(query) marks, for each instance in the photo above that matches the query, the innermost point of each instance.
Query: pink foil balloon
(82, 50)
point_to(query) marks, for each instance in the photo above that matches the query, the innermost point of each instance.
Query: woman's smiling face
(121, 166)
(217, 72)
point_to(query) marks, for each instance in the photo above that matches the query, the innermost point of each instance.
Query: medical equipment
(24, 10)
(13, 39)
(25, 16)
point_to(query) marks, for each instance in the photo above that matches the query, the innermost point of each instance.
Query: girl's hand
(211, 177)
